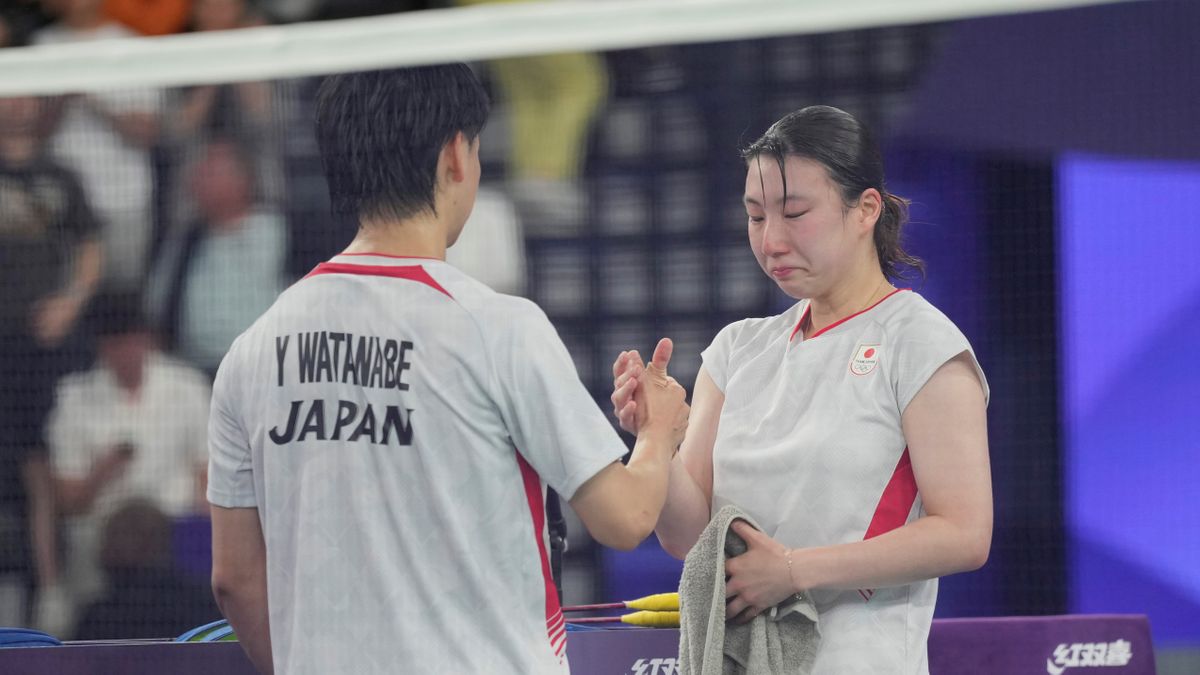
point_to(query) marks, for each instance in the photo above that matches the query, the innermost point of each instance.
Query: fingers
(662, 353)
(626, 359)
(659, 399)
(627, 417)
(624, 387)
(619, 364)
(626, 371)
(734, 607)
(746, 615)
(737, 608)
(629, 411)
(632, 372)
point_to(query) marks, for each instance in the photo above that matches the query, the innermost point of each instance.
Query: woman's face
(802, 239)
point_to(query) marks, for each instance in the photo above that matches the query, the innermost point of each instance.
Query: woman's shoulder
(753, 329)
(909, 314)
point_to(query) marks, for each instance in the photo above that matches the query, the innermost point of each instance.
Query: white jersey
(394, 421)
(809, 443)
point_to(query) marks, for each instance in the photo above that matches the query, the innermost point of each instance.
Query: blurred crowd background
(1052, 162)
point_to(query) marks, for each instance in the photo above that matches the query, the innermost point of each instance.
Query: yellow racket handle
(661, 602)
(652, 619)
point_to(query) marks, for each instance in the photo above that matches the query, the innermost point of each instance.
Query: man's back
(393, 421)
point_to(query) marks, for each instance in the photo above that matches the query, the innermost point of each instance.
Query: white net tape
(462, 34)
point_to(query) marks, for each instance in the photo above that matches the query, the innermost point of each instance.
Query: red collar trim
(410, 272)
(394, 257)
(839, 322)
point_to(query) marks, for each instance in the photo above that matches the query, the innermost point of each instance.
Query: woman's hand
(758, 579)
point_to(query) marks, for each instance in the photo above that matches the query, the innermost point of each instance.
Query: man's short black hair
(381, 133)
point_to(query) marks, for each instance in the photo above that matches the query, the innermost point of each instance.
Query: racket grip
(660, 602)
(652, 619)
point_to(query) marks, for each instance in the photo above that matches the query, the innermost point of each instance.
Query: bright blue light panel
(1130, 340)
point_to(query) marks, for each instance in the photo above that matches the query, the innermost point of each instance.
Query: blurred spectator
(19, 19)
(106, 138)
(147, 597)
(150, 17)
(50, 264)
(553, 100)
(490, 248)
(314, 230)
(345, 9)
(225, 15)
(227, 267)
(242, 111)
(134, 426)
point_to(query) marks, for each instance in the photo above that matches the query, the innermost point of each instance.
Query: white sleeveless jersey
(809, 443)
(394, 422)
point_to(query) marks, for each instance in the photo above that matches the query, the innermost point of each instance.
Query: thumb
(662, 353)
(744, 530)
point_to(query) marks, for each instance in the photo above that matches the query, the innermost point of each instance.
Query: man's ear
(456, 155)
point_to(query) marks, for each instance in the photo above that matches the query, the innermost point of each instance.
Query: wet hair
(836, 140)
(381, 133)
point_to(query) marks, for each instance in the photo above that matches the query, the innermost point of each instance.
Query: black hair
(846, 148)
(381, 133)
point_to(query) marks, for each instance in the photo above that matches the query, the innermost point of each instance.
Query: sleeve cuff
(230, 500)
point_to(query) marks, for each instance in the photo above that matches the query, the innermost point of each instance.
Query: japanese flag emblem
(865, 359)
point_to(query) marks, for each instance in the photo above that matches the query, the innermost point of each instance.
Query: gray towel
(782, 640)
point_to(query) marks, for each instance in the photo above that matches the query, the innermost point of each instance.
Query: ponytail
(895, 262)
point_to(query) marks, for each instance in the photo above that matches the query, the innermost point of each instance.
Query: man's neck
(420, 237)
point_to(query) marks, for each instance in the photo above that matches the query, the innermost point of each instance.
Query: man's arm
(200, 489)
(239, 580)
(139, 128)
(55, 316)
(76, 495)
(620, 504)
(39, 485)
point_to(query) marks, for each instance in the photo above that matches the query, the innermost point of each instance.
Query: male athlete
(381, 438)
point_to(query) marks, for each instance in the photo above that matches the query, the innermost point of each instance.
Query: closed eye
(794, 215)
